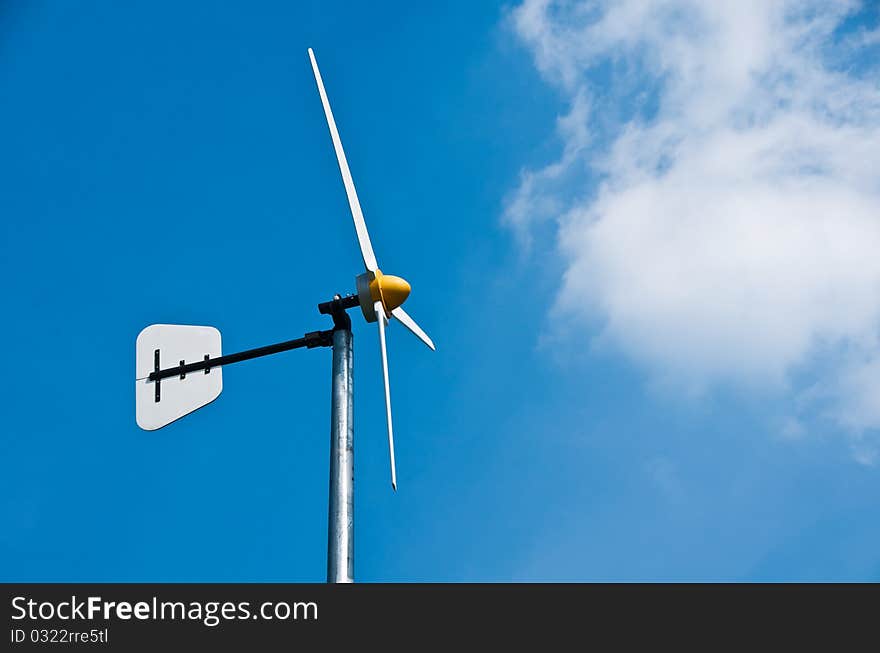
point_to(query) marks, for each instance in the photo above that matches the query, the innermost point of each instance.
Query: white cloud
(734, 233)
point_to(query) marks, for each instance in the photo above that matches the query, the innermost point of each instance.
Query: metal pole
(340, 526)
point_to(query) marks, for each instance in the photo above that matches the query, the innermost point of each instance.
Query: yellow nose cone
(390, 290)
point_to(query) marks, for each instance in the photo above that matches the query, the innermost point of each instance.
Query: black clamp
(336, 308)
(319, 339)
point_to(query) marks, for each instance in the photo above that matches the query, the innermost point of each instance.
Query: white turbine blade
(383, 321)
(359, 224)
(410, 324)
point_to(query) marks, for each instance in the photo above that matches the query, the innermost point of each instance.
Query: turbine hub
(390, 290)
(377, 287)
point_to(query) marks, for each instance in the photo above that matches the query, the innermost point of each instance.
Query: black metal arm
(310, 340)
(335, 308)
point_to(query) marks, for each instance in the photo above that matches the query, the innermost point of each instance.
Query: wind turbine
(165, 394)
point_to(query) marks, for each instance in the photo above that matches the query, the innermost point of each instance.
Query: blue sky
(171, 164)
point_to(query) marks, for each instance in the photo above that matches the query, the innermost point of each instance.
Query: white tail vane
(356, 213)
(383, 321)
(158, 402)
